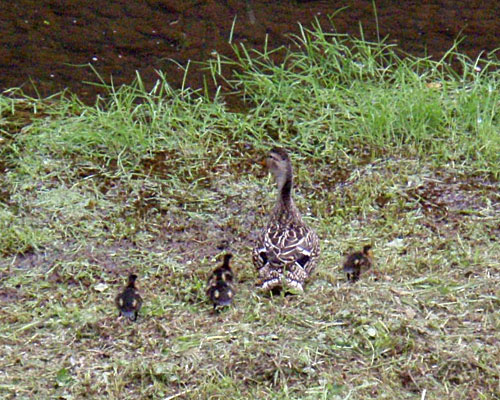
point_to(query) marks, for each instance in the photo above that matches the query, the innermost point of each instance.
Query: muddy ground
(51, 42)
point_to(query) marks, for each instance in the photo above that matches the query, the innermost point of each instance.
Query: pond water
(51, 42)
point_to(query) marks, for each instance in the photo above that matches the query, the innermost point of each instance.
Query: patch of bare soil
(456, 195)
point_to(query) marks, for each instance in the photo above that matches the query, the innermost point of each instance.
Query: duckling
(358, 262)
(220, 290)
(129, 302)
(224, 272)
(287, 250)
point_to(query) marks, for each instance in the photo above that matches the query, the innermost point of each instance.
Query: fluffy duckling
(287, 250)
(358, 262)
(220, 290)
(224, 272)
(129, 302)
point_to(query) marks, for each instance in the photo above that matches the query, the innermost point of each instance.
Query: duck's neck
(285, 196)
(285, 185)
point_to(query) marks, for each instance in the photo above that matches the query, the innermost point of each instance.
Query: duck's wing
(293, 249)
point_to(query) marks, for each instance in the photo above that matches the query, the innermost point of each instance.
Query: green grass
(399, 152)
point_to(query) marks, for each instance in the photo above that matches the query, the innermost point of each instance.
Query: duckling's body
(220, 290)
(129, 301)
(287, 250)
(358, 263)
(220, 294)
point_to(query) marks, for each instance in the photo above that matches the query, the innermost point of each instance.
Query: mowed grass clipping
(402, 153)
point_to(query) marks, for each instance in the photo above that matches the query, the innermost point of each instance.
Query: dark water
(44, 40)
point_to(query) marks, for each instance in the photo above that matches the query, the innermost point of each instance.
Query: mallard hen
(219, 286)
(129, 301)
(287, 250)
(358, 262)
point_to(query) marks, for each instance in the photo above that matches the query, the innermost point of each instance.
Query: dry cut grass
(424, 325)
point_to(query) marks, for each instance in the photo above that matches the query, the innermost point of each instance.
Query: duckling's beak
(263, 162)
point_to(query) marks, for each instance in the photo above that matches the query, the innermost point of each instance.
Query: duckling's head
(367, 251)
(131, 279)
(279, 164)
(226, 273)
(227, 258)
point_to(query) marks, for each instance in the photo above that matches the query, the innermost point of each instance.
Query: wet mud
(50, 44)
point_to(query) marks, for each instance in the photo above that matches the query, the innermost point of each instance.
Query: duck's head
(279, 165)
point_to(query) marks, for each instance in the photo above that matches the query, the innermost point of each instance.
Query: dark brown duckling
(358, 262)
(224, 272)
(129, 302)
(220, 290)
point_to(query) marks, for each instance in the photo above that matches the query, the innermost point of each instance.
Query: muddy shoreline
(51, 43)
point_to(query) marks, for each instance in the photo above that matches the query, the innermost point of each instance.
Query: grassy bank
(399, 152)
